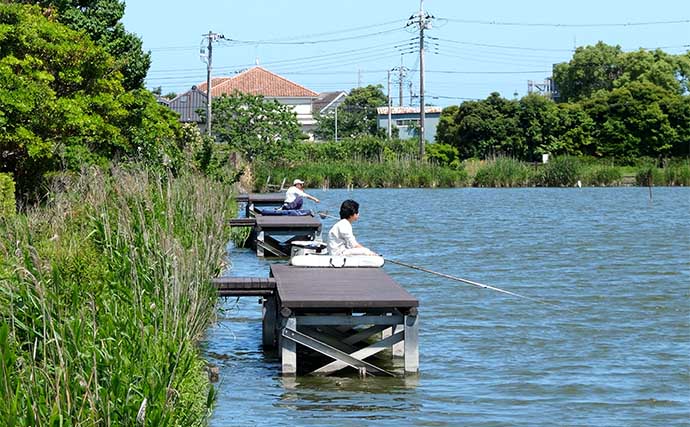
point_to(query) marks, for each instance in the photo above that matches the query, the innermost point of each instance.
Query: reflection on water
(618, 356)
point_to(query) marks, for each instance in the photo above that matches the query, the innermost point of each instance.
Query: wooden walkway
(245, 286)
(260, 200)
(347, 315)
(272, 234)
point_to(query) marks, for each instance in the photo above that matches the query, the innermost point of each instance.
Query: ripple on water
(618, 358)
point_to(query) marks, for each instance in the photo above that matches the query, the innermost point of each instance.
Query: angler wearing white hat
(294, 196)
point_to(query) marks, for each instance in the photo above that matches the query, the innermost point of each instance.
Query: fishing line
(324, 215)
(477, 284)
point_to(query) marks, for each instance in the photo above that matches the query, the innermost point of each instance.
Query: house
(188, 104)
(327, 102)
(259, 81)
(406, 119)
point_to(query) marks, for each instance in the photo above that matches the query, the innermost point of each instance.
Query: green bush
(503, 172)
(678, 174)
(649, 175)
(604, 175)
(362, 174)
(562, 171)
(7, 200)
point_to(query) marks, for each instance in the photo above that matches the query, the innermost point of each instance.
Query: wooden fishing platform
(345, 315)
(267, 231)
(264, 200)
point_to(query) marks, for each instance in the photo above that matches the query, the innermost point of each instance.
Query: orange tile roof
(258, 81)
(214, 82)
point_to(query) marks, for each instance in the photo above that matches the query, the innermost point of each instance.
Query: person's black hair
(348, 208)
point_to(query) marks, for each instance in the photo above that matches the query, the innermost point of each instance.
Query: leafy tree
(670, 72)
(100, 19)
(592, 68)
(572, 131)
(61, 104)
(631, 122)
(482, 129)
(537, 118)
(357, 115)
(254, 125)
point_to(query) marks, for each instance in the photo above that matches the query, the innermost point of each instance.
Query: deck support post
(269, 324)
(411, 343)
(288, 348)
(260, 243)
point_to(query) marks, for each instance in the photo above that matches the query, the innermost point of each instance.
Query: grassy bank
(104, 294)
(502, 172)
(364, 174)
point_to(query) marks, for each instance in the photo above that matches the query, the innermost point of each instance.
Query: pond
(612, 348)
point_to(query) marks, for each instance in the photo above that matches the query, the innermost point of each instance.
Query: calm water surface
(617, 355)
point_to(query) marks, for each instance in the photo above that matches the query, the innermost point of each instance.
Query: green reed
(104, 294)
(364, 174)
(503, 172)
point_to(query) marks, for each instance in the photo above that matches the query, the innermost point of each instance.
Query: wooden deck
(343, 288)
(346, 314)
(244, 286)
(269, 228)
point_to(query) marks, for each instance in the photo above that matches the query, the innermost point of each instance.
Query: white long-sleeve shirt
(292, 193)
(341, 238)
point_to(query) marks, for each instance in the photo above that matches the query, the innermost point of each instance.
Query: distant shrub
(7, 200)
(503, 172)
(649, 175)
(678, 174)
(604, 175)
(563, 171)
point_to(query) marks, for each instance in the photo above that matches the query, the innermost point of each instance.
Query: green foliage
(562, 171)
(503, 172)
(611, 105)
(7, 201)
(442, 154)
(603, 175)
(677, 174)
(365, 174)
(100, 20)
(632, 122)
(357, 115)
(591, 69)
(62, 105)
(254, 126)
(104, 293)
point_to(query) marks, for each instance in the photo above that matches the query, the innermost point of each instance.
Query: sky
(472, 48)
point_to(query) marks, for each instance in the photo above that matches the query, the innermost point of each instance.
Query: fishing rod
(324, 214)
(477, 284)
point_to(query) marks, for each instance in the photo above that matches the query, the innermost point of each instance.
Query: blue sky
(473, 48)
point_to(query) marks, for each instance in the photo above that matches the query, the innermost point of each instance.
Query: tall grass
(104, 293)
(364, 174)
(503, 172)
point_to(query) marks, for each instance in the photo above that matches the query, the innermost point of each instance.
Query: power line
(538, 24)
(312, 42)
(347, 30)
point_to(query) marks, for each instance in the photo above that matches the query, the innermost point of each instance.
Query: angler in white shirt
(295, 195)
(341, 239)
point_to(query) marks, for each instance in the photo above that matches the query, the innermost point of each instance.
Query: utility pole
(390, 130)
(210, 38)
(423, 21)
(336, 122)
(402, 72)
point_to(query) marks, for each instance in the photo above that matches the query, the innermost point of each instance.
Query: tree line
(609, 104)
